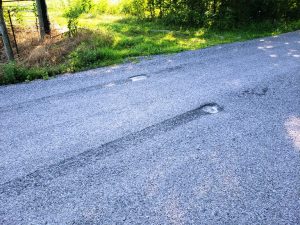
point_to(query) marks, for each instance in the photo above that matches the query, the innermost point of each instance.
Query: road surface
(209, 136)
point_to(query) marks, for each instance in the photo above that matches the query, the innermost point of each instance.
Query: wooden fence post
(3, 30)
(44, 23)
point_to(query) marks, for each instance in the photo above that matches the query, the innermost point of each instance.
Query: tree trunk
(44, 23)
(45, 17)
(6, 42)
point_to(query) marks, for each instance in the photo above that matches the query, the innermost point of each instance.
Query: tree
(5, 37)
(44, 23)
(73, 11)
(223, 14)
(45, 17)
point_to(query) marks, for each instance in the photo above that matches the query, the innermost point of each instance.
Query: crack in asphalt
(41, 176)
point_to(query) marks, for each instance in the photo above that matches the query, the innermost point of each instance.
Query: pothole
(211, 108)
(138, 78)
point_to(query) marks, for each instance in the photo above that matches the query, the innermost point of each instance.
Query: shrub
(72, 13)
(14, 73)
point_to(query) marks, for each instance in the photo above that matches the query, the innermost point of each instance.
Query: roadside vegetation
(102, 33)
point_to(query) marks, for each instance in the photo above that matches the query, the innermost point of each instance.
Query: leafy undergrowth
(108, 40)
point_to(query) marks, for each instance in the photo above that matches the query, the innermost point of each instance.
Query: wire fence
(22, 23)
(21, 17)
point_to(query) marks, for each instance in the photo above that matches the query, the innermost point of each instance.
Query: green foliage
(73, 11)
(223, 14)
(86, 58)
(105, 7)
(14, 73)
(18, 13)
(97, 51)
(136, 8)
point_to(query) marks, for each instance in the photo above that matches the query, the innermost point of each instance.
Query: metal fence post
(13, 31)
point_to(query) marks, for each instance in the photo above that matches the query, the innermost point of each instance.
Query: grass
(109, 39)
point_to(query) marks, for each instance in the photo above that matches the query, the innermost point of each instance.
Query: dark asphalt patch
(66, 94)
(258, 91)
(42, 176)
(171, 69)
(88, 89)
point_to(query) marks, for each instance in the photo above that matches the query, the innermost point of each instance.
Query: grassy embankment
(108, 39)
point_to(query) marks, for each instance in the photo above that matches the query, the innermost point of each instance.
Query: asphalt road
(202, 137)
